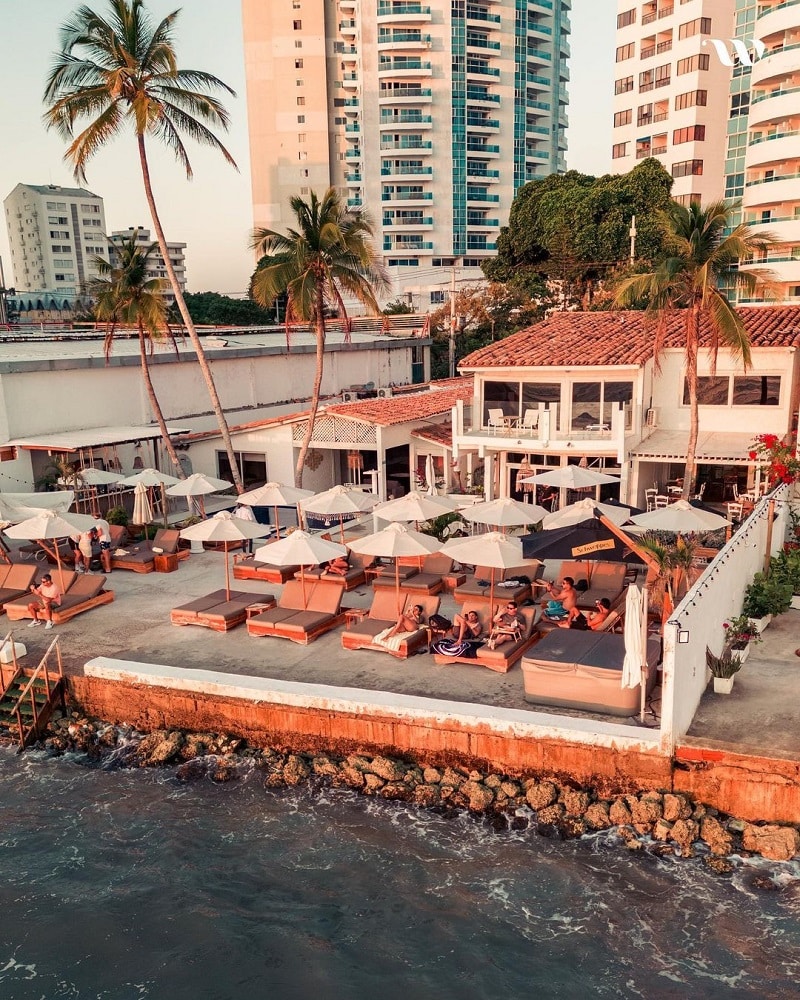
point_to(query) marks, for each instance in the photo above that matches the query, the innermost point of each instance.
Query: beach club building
(584, 388)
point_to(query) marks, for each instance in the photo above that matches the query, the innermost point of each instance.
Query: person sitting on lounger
(566, 596)
(340, 566)
(466, 627)
(507, 626)
(46, 596)
(409, 621)
(598, 617)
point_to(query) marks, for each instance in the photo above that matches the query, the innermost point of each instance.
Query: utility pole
(452, 344)
(633, 238)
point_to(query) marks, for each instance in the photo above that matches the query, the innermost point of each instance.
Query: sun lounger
(383, 614)
(477, 587)
(429, 580)
(81, 593)
(503, 657)
(141, 557)
(606, 579)
(355, 575)
(583, 670)
(305, 610)
(15, 581)
(250, 568)
(218, 610)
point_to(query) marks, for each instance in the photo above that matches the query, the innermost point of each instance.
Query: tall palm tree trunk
(320, 318)
(155, 406)
(692, 332)
(202, 360)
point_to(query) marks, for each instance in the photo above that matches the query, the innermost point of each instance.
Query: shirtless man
(567, 596)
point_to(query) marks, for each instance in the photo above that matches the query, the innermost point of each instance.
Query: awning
(712, 446)
(96, 437)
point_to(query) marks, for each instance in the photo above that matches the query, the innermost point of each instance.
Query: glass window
(615, 393)
(711, 390)
(534, 393)
(756, 390)
(501, 396)
(586, 404)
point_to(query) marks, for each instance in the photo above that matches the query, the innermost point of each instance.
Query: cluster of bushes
(771, 593)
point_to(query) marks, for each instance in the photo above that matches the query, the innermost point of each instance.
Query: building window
(302, 155)
(298, 43)
(301, 101)
(692, 98)
(693, 63)
(297, 25)
(301, 137)
(438, 297)
(623, 85)
(694, 133)
(687, 167)
(619, 150)
(301, 119)
(298, 64)
(626, 18)
(594, 402)
(687, 199)
(712, 390)
(625, 51)
(756, 390)
(700, 26)
(623, 118)
(740, 104)
(299, 83)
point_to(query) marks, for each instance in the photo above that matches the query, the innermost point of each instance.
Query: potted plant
(723, 668)
(765, 597)
(739, 633)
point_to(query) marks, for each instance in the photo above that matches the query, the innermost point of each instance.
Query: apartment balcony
(352, 106)
(602, 438)
(403, 13)
(348, 28)
(401, 170)
(474, 223)
(483, 149)
(539, 56)
(423, 222)
(405, 68)
(418, 122)
(782, 147)
(353, 178)
(475, 96)
(777, 20)
(395, 247)
(479, 244)
(348, 54)
(476, 69)
(352, 129)
(473, 170)
(532, 107)
(355, 202)
(424, 148)
(540, 31)
(781, 188)
(531, 129)
(350, 81)
(488, 123)
(784, 270)
(786, 229)
(352, 154)
(406, 197)
(482, 44)
(779, 64)
(481, 197)
(776, 106)
(480, 16)
(405, 95)
(401, 41)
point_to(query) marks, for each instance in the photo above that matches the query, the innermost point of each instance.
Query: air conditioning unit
(385, 393)
(349, 397)
(651, 417)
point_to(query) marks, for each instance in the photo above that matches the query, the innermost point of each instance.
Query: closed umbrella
(430, 475)
(584, 510)
(504, 513)
(300, 548)
(681, 517)
(493, 550)
(396, 541)
(339, 502)
(142, 511)
(415, 507)
(274, 495)
(152, 478)
(224, 527)
(197, 486)
(50, 525)
(634, 666)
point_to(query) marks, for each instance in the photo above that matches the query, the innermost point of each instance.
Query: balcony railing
(402, 171)
(407, 196)
(483, 95)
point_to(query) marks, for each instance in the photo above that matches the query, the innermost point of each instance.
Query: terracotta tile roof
(436, 399)
(569, 339)
(436, 434)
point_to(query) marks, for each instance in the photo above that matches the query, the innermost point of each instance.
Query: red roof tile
(438, 398)
(619, 338)
(436, 434)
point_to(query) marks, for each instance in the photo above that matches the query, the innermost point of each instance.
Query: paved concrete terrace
(762, 715)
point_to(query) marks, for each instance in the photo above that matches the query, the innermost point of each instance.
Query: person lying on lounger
(409, 621)
(339, 566)
(507, 626)
(467, 627)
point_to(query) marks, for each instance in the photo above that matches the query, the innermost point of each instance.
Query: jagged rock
(737, 825)
(426, 796)
(358, 762)
(493, 781)
(661, 850)
(549, 820)
(295, 770)
(223, 769)
(574, 826)
(107, 737)
(192, 770)
(352, 777)
(477, 795)
(474, 776)
(324, 767)
(431, 776)
(274, 780)
(166, 749)
(619, 813)
(716, 836)
(764, 882)
(372, 783)
(699, 811)
(597, 817)
(630, 839)
(720, 866)
(413, 777)
(453, 777)
(777, 843)
(647, 810)
(510, 788)
(676, 807)
(684, 833)
(540, 796)
(384, 767)
(518, 823)
(396, 791)
(662, 830)
(446, 792)
(575, 803)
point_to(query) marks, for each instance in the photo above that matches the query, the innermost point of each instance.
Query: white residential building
(54, 232)
(157, 268)
(671, 92)
(427, 116)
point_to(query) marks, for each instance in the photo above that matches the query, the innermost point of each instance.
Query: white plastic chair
(735, 510)
(700, 492)
(661, 501)
(529, 422)
(497, 421)
(650, 498)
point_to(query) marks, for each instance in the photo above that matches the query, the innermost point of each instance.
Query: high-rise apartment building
(427, 116)
(763, 165)
(157, 268)
(671, 91)
(53, 234)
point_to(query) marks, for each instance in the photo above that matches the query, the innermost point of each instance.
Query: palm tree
(329, 253)
(121, 72)
(705, 249)
(125, 295)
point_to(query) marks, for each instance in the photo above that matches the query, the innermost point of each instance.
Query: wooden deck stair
(28, 695)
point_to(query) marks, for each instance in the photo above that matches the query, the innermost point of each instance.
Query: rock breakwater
(661, 821)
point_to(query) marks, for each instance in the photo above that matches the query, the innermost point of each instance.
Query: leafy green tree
(574, 229)
(125, 296)
(213, 309)
(120, 73)
(702, 248)
(398, 308)
(329, 254)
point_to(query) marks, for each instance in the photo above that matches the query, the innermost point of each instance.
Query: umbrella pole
(227, 574)
(277, 523)
(397, 584)
(303, 586)
(643, 683)
(491, 596)
(60, 569)
(164, 502)
(341, 528)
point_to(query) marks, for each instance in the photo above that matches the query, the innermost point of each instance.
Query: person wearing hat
(48, 596)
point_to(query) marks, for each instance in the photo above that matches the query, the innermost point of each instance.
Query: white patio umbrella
(224, 527)
(197, 486)
(394, 541)
(92, 476)
(302, 549)
(584, 510)
(50, 525)
(152, 478)
(339, 502)
(142, 511)
(415, 507)
(493, 550)
(274, 495)
(634, 666)
(16, 507)
(571, 477)
(681, 517)
(504, 513)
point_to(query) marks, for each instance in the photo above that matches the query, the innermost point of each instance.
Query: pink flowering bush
(778, 456)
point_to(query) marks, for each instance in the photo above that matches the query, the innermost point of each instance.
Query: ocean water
(123, 885)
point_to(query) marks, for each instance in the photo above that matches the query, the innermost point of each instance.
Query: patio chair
(662, 500)
(700, 492)
(497, 421)
(735, 511)
(503, 657)
(15, 581)
(141, 557)
(650, 498)
(529, 422)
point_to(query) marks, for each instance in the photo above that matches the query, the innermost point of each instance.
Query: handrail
(42, 667)
(8, 638)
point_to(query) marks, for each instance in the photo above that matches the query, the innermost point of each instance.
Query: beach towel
(392, 642)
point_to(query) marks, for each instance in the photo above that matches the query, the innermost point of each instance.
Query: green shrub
(767, 595)
(117, 515)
